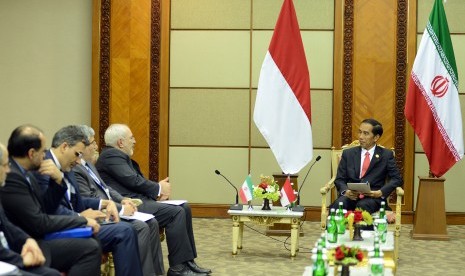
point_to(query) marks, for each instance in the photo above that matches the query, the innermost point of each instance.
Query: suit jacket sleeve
(119, 167)
(25, 209)
(15, 238)
(394, 177)
(52, 192)
(341, 177)
(11, 257)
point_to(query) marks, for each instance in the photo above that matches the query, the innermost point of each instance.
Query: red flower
(358, 216)
(342, 252)
(339, 255)
(359, 256)
(263, 185)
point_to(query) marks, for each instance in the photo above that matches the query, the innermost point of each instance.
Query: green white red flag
(433, 106)
(246, 191)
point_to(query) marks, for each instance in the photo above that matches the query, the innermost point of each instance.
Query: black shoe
(194, 267)
(183, 270)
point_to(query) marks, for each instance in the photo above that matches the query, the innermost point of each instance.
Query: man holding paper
(367, 163)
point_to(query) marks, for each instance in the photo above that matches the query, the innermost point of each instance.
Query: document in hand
(359, 187)
(80, 232)
(139, 216)
(174, 202)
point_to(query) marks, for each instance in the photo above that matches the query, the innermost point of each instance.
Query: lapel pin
(377, 155)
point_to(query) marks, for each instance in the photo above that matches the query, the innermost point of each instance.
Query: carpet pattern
(262, 255)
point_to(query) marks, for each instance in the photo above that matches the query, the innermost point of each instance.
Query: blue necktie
(97, 181)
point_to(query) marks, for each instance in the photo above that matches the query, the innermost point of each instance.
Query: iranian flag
(246, 192)
(282, 106)
(433, 106)
(287, 193)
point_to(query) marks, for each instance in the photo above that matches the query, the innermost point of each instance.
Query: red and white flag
(282, 107)
(287, 193)
(433, 105)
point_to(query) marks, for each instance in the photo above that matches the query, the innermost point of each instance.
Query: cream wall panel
(45, 71)
(210, 59)
(454, 187)
(209, 117)
(210, 14)
(318, 51)
(455, 9)
(322, 107)
(263, 162)
(192, 173)
(315, 14)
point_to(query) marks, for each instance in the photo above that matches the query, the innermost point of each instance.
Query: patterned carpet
(263, 255)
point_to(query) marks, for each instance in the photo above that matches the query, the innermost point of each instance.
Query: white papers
(174, 202)
(359, 187)
(139, 216)
(8, 269)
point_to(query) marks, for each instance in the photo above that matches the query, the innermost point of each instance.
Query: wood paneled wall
(126, 83)
(370, 74)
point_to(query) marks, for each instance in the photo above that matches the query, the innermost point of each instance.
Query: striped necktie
(97, 181)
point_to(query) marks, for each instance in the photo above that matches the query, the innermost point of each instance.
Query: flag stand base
(430, 214)
(236, 207)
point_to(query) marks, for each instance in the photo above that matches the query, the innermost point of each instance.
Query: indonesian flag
(287, 193)
(282, 106)
(246, 192)
(433, 106)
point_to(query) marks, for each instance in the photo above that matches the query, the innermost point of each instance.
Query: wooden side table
(266, 218)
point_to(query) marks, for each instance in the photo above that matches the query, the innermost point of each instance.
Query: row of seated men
(45, 191)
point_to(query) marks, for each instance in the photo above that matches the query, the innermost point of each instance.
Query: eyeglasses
(78, 154)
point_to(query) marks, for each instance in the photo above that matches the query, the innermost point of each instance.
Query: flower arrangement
(359, 216)
(267, 189)
(348, 255)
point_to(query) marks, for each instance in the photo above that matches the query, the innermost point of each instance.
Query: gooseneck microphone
(236, 206)
(299, 208)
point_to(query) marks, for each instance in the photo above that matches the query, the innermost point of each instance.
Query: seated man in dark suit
(91, 185)
(367, 163)
(24, 206)
(118, 170)
(18, 248)
(120, 238)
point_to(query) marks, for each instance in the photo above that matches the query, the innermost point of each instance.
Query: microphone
(236, 206)
(299, 208)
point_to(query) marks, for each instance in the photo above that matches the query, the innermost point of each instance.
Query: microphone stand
(298, 207)
(237, 206)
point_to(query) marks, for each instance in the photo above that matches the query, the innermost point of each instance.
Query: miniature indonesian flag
(287, 193)
(246, 192)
